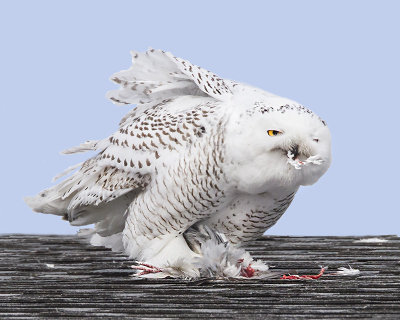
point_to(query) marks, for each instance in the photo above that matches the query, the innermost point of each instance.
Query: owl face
(273, 148)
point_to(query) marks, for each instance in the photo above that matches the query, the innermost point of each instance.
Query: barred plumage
(193, 155)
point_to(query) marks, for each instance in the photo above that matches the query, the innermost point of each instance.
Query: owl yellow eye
(273, 132)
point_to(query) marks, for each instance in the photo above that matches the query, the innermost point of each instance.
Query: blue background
(339, 58)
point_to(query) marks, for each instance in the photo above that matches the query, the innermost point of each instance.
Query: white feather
(83, 147)
(371, 240)
(347, 271)
(217, 260)
(66, 171)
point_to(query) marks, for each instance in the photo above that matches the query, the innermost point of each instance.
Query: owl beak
(295, 151)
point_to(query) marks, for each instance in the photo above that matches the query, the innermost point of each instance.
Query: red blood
(307, 277)
(247, 272)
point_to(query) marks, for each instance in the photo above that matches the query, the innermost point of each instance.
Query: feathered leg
(213, 256)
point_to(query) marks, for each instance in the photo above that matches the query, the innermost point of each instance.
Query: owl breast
(249, 216)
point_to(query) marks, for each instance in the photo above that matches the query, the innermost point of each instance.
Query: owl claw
(145, 269)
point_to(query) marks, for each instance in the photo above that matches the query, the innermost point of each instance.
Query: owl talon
(145, 269)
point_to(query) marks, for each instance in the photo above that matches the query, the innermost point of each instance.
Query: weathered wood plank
(94, 282)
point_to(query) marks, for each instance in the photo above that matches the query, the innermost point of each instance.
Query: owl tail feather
(48, 201)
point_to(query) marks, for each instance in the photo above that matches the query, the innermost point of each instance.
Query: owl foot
(306, 277)
(145, 269)
(181, 268)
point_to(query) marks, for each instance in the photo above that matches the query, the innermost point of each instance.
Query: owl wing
(126, 161)
(157, 75)
(154, 80)
(104, 186)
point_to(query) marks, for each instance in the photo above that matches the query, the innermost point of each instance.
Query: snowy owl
(198, 158)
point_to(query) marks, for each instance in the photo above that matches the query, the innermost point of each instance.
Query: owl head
(276, 144)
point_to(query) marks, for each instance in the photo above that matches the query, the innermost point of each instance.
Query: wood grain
(94, 282)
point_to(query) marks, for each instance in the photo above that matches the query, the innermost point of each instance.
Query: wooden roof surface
(94, 282)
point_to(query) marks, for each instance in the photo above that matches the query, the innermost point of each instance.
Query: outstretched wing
(156, 75)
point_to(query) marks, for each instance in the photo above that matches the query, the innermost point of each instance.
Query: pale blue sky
(339, 58)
